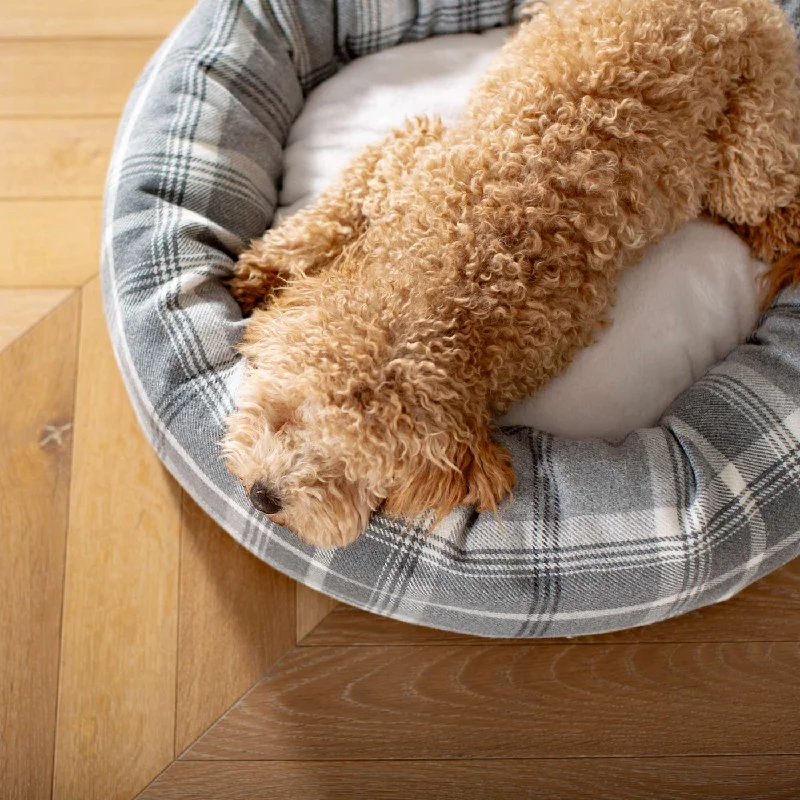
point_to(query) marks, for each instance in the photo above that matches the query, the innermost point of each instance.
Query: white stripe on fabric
(561, 616)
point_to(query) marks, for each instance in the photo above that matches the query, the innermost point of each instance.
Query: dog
(451, 272)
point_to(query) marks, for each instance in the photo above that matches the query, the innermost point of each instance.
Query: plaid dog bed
(599, 536)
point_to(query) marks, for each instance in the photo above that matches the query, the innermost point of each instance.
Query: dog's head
(325, 435)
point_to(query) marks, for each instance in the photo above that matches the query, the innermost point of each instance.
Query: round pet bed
(600, 536)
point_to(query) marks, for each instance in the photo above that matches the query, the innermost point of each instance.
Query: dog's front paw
(254, 281)
(251, 291)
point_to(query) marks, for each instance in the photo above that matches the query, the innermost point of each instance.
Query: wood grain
(766, 611)
(49, 243)
(766, 778)
(236, 621)
(91, 18)
(69, 78)
(21, 309)
(116, 712)
(65, 158)
(312, 608)
(166, 621)
(34, 493)
(525, 701)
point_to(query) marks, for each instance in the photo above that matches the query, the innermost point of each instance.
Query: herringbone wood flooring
(129, 623)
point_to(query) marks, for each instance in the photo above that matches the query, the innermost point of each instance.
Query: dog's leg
(313, 238)
(758, 136)
(757, 189)
(756, 184)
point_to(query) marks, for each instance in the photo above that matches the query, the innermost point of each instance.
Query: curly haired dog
(450, 272)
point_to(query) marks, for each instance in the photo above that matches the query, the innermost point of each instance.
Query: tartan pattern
(599, 536)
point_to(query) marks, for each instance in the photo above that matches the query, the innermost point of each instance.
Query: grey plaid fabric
(599, 536)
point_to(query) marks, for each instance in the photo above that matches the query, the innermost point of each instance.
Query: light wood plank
(37, 376)
(43, 158)
(21, 309)
(236, 621)
(49, 242)
(765, 778)
(116, 712)
(524, 701)
(70, 78)
(96, 18)
(767, 611)
(312, 608)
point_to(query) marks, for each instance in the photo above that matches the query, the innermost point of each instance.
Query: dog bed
(601, 535)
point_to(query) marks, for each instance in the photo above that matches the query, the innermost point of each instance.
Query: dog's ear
(482, 476)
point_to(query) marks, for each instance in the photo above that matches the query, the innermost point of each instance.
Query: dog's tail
(776, 241)
(785, 272)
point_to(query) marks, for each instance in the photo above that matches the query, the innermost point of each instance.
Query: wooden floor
(130, 623)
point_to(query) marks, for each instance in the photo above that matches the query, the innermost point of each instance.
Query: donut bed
(599, 536)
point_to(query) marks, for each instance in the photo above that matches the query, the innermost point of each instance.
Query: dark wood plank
(767, 611)
(312, 607)
(520, 701)
(712, 778)
(236, 619)
(37, 376)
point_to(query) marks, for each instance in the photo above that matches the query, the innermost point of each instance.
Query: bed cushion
(600, 535)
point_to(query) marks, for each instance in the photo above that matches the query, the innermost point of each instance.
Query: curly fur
(452, 271)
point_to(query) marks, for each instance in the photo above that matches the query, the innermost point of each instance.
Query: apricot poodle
(451, 272)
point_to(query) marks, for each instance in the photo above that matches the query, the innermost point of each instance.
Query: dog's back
(603, 126)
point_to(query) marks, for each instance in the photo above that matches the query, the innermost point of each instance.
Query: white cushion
(687, 305)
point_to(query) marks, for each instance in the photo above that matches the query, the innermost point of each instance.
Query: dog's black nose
(263, 499)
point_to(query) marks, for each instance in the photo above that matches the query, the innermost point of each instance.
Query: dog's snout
(264, 499)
